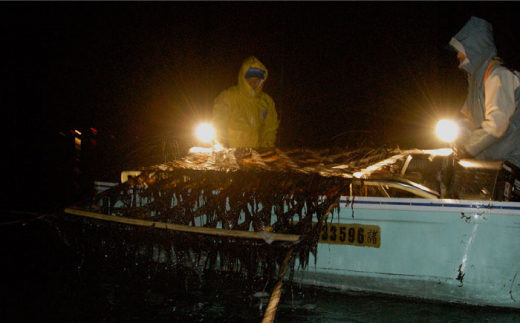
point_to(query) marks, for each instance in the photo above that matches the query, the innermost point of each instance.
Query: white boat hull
(447, 250)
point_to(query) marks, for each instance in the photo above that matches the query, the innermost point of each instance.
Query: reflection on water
(42, 282)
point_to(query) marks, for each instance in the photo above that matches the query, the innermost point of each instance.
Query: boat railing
(399, 184)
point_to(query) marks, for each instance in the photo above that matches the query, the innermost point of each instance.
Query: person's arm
(270, 126)
(499, 106)
(500, 103)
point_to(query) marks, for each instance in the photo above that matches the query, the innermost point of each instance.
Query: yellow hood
(247, 64)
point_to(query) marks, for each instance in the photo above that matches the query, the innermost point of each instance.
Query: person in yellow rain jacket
(244, 115)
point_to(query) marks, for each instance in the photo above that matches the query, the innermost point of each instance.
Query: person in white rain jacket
(492, 107)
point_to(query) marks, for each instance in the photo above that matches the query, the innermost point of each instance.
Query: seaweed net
(244, 189)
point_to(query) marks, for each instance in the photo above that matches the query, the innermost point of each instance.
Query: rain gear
(244, 117)
(492, 106)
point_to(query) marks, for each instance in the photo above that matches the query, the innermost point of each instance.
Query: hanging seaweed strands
(237, 209)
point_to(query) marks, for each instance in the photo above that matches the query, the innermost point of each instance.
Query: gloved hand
(459, 151)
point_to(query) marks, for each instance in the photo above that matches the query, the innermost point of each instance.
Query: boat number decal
(351, 234)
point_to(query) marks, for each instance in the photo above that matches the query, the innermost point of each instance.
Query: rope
(270, 311)
(24, 221)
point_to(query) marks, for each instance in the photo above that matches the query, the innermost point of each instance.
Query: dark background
(142, 74)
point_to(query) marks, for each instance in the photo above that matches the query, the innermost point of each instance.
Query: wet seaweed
(258, 190)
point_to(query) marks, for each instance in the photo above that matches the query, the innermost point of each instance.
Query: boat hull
(446, 250)
(463, 251)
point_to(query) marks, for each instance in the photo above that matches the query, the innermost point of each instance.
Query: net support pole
(187, 228)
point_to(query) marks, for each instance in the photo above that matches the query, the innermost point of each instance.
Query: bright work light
(447, 130)
(205, 132)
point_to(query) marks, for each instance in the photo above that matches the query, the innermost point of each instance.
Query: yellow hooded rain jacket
(244, 117)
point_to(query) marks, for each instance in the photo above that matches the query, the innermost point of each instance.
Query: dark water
(41, 281)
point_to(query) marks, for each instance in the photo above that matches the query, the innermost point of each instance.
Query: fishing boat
(456, 250)
(414, 223)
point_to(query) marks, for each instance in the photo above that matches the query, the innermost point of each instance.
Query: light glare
(205, 132)
(447, 130)
(218, 147)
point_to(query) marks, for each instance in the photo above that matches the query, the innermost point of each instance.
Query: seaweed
(257, 190)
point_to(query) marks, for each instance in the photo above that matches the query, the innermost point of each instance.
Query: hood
(476, 38)
(248, 63)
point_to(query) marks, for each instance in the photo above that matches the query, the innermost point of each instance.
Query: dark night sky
(375, 70)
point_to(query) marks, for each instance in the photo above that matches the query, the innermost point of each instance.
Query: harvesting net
(264, 191)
